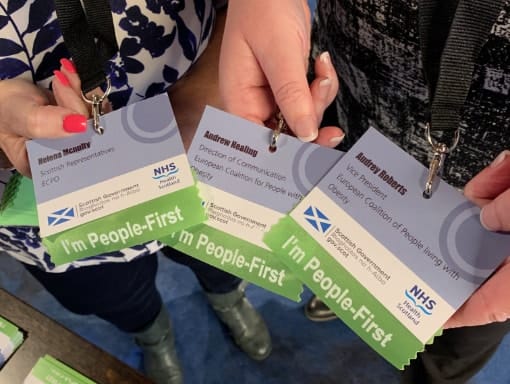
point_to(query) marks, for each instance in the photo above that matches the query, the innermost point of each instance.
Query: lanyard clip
(97, 107)
(436, 166)
(281, 127)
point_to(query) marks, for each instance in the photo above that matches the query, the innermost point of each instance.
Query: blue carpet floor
(304, 352)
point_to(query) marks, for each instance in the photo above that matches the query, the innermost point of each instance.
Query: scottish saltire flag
(317, 219)
(61, 216)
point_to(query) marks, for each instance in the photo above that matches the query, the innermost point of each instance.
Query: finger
(254, 68)
(286, 73)
(488, 304)
(69, 70)
(494, 215)
(286, 68)
(49, 96)
(490, 189)
(53, 122)
(491, 181)
(66, 96)
(45, 121)
(325, 85)
(26, 113)
(330, 137)
(243, 87)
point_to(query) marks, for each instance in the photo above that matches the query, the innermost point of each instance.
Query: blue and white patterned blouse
(158, 41)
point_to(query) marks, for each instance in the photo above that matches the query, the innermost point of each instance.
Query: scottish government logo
(317, 219)
(61, 216)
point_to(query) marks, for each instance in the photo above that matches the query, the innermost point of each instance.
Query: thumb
(286, 71)
(50, 121)
(36, 121)
(292, 93)
(490, 189)
(494, 216)
(488, 304)
(42, 121)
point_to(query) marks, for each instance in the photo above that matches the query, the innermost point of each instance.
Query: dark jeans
(211, 279)
(125, 294)
(457, 355)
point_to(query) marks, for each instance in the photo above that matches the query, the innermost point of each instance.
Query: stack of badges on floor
(48, 370)
(17, 200)
(10, 339)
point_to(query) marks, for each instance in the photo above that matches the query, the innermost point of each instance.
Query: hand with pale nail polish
(490, 189)
(29, 112)
(259, 76)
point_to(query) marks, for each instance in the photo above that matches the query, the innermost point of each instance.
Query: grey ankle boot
(159, 357)
(248, 329)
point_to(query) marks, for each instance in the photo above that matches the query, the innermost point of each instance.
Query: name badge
(392, 265)
(247, 188)
(101, 193)
(48, 370)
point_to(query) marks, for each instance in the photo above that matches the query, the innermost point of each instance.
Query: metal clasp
(280, 127)
(440, 151)
(97, 105)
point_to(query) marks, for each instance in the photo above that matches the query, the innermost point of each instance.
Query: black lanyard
(449, 66)
(470, 25)
(89, 36)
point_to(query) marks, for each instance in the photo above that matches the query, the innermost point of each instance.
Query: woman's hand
(29, 112)
(263, 66)
(490, 189)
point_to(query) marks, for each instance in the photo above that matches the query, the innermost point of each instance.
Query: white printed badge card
(101, 193)
(247, 188)
(391, 264)
(10, 339)
(49, 370)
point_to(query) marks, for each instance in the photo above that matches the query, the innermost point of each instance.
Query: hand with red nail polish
(67, 90)
(75, 123)
(29, 112)
(68, 65)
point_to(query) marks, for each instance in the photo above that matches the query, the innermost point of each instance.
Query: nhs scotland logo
(420, 299)
(61, 216)
(165, 171)
(317, 219)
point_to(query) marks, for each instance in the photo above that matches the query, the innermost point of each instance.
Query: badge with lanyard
(90, 48)
(90, 38)
(125, 181)
(470, 25)
(355, 240)
(249, 178)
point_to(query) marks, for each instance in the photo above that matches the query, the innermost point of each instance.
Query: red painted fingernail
(68, 65)
(75, 123)
(62, 78)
